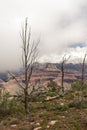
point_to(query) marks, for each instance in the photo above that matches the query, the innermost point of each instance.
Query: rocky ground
(59, 114)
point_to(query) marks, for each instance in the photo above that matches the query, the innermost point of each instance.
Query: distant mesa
(42, 74)
(51, 67)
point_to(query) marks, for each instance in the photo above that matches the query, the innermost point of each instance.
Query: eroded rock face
(39, 76)
(12, 87)
(42, 75)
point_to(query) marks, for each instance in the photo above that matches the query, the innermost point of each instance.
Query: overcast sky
(61, 25)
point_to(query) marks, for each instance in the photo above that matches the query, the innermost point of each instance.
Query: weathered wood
(52, 98)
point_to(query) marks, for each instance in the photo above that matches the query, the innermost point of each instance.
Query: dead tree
(82, 86)
(28, 58)
(83, 69)
(29, 55)
(64, 60)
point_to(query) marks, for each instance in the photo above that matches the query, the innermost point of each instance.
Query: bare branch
(28, 42)
(15, 79)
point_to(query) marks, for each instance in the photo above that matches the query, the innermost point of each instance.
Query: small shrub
(51, 94)
(48, 106)
(52, 85)
(76, 124)
(82, 105)
(14, 121)
(4, 122)
(77, 86)
(63, 107)
(43, 115)
(23, 128)
(79, 104)
(69, 95)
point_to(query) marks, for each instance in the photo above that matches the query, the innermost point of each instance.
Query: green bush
(78, 104)
(69, 95)
(14, 121)
(52, 85)
(4, 122)
(79, 90)
(51, 94)
(23, 128)
(78, 86)
(76, 124)
(64, 107)
(9, 105)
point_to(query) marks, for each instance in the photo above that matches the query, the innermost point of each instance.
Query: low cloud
(62, 26)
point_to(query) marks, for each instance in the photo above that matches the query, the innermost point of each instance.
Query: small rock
(37, 124)
(52, 122)
(48, 126)
(48, 98)
(63, 116)
(32, 123)
(62, 104)
(66, 111)
(13, 125)
(38, 128)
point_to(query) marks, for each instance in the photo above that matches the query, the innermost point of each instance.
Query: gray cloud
(59, 23)
(74, 45)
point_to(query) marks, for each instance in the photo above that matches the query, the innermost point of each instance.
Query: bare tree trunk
(26, 80)
(83, 69)
(29, 55)
(83, 75)
(64, 60)
(26, 105)
(62, 82)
